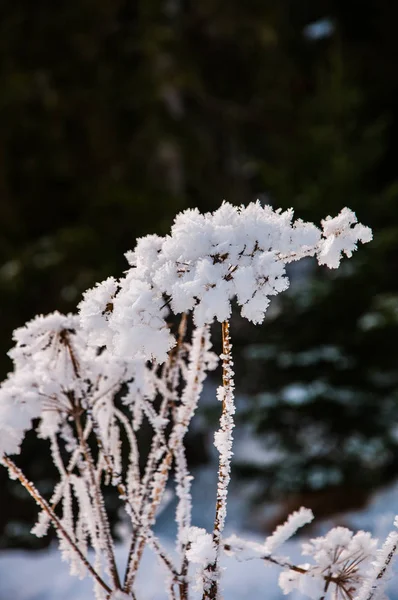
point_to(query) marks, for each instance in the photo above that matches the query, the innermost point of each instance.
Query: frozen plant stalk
(223, 441)
(93, 379)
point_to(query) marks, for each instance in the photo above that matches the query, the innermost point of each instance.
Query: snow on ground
(43, 575)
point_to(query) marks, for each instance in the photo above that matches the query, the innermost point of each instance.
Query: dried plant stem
(153, 542)
(156, 486)
(224, 445)
(65, 475)
(17, 473)
(150, 539)
(105, 531)
(183, 483)
(183, 512)
(171, 376)
(158, 445)
(325, 589)
(184, 583)
(285, 564)
(72, 464)
(130, 504)
(227, 425)
(371, 587)
(149, 517)
(155, 454)
(133, 475)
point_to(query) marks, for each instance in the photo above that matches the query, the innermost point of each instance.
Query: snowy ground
(43, 576)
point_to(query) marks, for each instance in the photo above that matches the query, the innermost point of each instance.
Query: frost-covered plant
(87, 382)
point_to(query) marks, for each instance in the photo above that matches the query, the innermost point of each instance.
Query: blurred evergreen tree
(326, 359)
(115, 115)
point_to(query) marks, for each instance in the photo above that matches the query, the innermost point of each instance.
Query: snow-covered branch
(92, 380)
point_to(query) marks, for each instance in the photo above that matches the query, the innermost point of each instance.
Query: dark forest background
(116, 114)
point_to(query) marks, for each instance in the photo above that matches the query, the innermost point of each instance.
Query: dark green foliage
(329, 360)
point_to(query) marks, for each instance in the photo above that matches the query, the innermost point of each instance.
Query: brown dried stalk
(99, 503)
(211, 575)
(153, 458)
(17, 473)
(148, 510)
(142, 537)
(76, 412)
(340, 580)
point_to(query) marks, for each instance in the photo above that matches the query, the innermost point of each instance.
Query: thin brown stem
(99, 504)
(172, 594)
(374, 588)
(142, 537)
(285, 564)
(139, 535)
(164, 558)
(325, 589)
(72, 464)
(16, 472)
(211, 581)
(183, 586)
(152, 541)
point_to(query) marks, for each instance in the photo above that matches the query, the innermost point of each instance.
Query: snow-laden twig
(41, 526)
(15, 472)
(283, 532)
(206, 261)
(376, 581)
(199, 358)
(158, 447)
(92, 380)
(342, 563)
(106, 541)
(223, 441)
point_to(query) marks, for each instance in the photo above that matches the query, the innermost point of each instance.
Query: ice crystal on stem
(206, 262)
(341, 562)
(92, 380)
(283, 532)
(381, 570)
(223, 441)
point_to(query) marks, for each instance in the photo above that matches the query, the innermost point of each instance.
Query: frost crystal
(288, 529)
(206, 262)
(341, 559)
(201, 547)
(342, 234)
(381, 569)
(55, 373)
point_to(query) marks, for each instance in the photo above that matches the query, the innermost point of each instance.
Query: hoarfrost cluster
(88, 382)
(205, 262)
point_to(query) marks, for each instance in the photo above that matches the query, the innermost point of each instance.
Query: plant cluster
(89, 381)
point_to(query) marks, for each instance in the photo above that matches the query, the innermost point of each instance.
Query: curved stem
(155, 486)
(99, 505)
(17, 473)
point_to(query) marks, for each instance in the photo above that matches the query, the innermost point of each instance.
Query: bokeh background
(116, 114)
